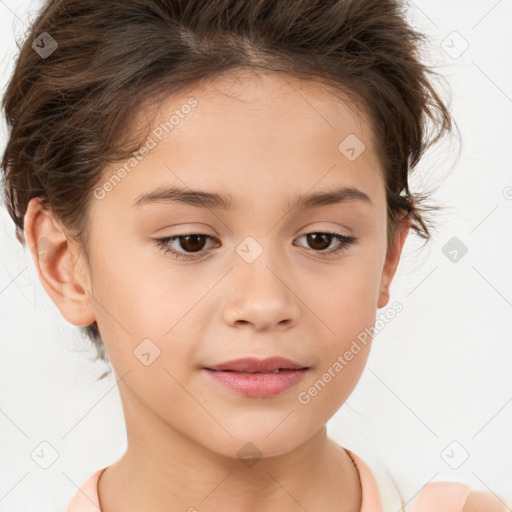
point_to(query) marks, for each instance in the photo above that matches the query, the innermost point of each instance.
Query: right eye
(192, 241)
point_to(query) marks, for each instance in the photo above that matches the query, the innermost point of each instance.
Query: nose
(261, 296)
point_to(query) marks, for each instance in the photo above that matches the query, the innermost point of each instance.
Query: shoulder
(457, 497)
(86, 497)
(481, 501)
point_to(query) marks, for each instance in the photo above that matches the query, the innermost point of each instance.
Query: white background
(439, 372)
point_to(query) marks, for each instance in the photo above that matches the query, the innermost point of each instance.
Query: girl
(278, 137)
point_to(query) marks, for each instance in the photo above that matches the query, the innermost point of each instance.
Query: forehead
(262, 102)
(251, 131)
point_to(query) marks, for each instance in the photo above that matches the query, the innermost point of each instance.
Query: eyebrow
(225, 201)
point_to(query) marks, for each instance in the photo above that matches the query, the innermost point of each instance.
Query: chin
(251, 445)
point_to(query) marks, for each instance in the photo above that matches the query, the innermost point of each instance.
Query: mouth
(279, 370)
(253, 365)
(255, 378)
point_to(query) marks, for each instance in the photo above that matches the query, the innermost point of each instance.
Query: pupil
(191, 247)
(314, 243)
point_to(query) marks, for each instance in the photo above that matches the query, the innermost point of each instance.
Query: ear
(57, 261)
(392, 259)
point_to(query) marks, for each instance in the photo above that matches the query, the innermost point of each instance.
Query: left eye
(194, 242)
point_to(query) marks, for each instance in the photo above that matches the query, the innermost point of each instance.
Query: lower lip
(258, 385)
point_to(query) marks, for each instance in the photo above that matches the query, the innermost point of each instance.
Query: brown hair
(65, 108)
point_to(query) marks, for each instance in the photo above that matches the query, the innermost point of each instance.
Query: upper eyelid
(344, 243)
(215, 237)
(173, 238)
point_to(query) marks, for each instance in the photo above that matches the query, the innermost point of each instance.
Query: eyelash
(163, 244)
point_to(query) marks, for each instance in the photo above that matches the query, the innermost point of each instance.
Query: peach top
(379, 493)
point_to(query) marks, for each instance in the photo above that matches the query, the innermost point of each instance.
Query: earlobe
(392, 259)
(383, 296)
(57, 264)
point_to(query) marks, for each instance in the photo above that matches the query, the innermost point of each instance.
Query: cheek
(148, 335)
(133, 292)
(347, 312)
(148, 317)
(346, 302)
(342, 359)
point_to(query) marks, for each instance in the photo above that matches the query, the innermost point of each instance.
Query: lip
(252, 364)
(258, 378)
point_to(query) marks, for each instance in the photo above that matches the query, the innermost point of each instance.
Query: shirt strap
(442, 497)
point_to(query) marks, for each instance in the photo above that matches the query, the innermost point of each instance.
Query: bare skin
(264, 140)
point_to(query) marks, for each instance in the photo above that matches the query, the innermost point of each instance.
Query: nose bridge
(259, 292)
(257, 263)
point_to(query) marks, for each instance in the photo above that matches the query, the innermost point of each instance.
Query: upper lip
(252, 364)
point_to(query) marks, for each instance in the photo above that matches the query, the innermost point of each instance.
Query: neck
(163, 470)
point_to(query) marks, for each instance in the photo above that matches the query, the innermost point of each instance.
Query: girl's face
(260, 281)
